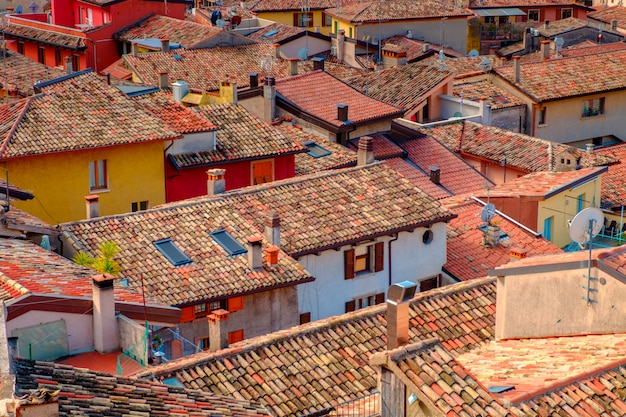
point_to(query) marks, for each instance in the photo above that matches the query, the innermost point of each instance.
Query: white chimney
(272, 229)
(255, 252)
(180, 90)
(516, 68)
(68, 65)
(269, 96)
(92, 205)
(398, 297)
(105, 330)
(365, 152)
(216, 184)
(218, 330)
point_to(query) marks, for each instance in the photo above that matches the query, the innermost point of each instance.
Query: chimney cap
(255, 239)
(103, 280)
(92, 197)
(401, 291)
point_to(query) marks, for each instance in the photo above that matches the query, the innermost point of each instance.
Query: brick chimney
(165, 44)
(269, 96)
(293, 66)
(545, 49)
(92, 205)
(516, 68)
(106, 336)
(398, 297)
(255, 252)
(272, 229)
(492, 236)
(435, 175)
(365, 152)
(228, 92)
(318, 63)
(163, 80)
(254, 79)
(216, 184)
(342, 112)
(68, 65)
(218, 330)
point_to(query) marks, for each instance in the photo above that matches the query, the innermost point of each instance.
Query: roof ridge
(7, 138)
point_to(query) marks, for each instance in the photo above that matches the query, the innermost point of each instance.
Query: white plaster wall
(192, 142)
(79, 326)
(412, 260)
(314, 46)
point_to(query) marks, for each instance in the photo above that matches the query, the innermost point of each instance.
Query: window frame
(565, 11)
(327, 20)
(541, 116)
(98, 175)
(297, 19)
(589, 110)
(41, 55)
(200, 310)
(533, 11)
(20, 47)
(253, 179)
(374, 259)
(163, 244)
(136, 206)
(228, 242)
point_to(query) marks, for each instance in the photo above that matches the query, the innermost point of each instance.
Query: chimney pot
(269, 95)
(254, 79)
(255, 254)
(589, 148)
(398, 299)
(516, 66)
(216, 184)
(272, 229)
(546, 24)
(165, 44)
(163, 80)
(272, 255)
(92, 205)
(218, 330)
(342, 112)
(108, 75)
(435, 175)
(293, 66)
(105, 329)
(365, 152)
(518, 253)
(318, 63)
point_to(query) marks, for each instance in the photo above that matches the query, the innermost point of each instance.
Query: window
(363, 259)
(228, 242)
(336, 29)
(305, 318)
(533, 15)
(327, 20)
(105, 17)
(139, 206)
(75, 63)
(547, 228)
(303, 20)
(593, 107)
(171, 252)
(41, 54)
(349, 32)
(427, 237)
(98, 175)
(565, 13)
(58, 58)
(235, 336)
(20, 47)
(203, 343)
(362, 302)
(218, 305)
(541, 116)
(199, 310)
(316, 151)
(262, 171)
(429, 284)
(580, 203)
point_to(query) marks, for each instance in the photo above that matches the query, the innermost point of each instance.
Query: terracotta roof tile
(185, 32)
(97, 115)
(276, 33)
(240, 135)
(462, 67)
(467, 256)
(304, 91)
(319, 352)
(607, 15)
(15, 30)
(613, 185)
(370, 11)
(20, 73)
(281, 5)
(384, 147)
(88, 392)
(416, 49)
(478, 4)
(496, 97)
(523, 152)
(418, 178)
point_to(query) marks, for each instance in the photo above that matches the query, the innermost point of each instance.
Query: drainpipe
(389, 251)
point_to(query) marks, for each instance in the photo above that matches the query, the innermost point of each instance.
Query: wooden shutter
(295, 19)
(350, 306)
(235, 303)
(235, 336)
(380, 298)
(379, 256)
(187, 314)
(348, 257)
(305, 318)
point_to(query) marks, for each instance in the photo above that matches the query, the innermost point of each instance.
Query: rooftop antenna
(306, 8)
(582, 229)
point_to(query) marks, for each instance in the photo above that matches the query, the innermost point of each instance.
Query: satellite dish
(303, 54)
(485, 65)
(586, 225)
(488, 212)
(473, 53)
(558, 41)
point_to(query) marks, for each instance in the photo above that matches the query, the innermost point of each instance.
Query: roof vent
(398, 297)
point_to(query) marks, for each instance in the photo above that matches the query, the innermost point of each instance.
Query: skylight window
(172, 252)
(270, 33)
(228, 242)
(316, 151)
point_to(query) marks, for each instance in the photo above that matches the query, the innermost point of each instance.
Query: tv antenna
(582, 229)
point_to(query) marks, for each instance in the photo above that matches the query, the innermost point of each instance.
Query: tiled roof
(212, 272)
(483, 4)
(28, 268)
(576, 50)
(456, 175)
(20, 73)
(240, 135)
(403, 86)
(613, 184)
(522, 152)
(461, 67)
(418, 178)
(178, 117)
(184, 32)
(228, 8)
(276, 33)
(289, 5)
(416, 49)
(204, 69)
(496, 97)
(118, 70)
(21, 220)
(467, 256)
(316, 365)
(568, 77)
(374, 11)
(543, 183)
(607, 15)
(81, 112)
(318, 93)
(89, 393)
(383, 147)
(561, 26)
(15, 30)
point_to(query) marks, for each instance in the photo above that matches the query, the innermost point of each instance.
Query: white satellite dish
(485, 65)
(473, 53)
(488, 212)
(586, 225)
(303, 54)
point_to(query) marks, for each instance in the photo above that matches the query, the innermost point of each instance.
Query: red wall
(192, 182)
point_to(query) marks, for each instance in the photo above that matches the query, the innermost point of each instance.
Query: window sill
(542, 125)
(99, 190)
(364, 274)
(592, 117)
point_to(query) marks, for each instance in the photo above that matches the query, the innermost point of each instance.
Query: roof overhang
(501, 11)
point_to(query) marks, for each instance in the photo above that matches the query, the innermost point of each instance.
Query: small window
(58, 58)
(593, 107)
(303, 20)
(327, 20)
(218, 305)
(541, 116)
(235, 336)
(427, 237)
(565, 13)
(429, 284)
(305, 318)
(199, 310)
(262, 171)
(316, 151)
(98, 175)
(228, 242)
(172, 252)
(363, 259)
(75, 63)
(20, 47)
(139, 206)
(203, 343)
(41, 55)
(533, 15)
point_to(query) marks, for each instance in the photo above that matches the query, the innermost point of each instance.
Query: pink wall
(189, 183)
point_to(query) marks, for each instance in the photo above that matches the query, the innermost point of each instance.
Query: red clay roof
(418, 178)
(416, 49)
(318, 93)
(496, 97)
(383, 146)
(19, 73)
(15, 30)
(371, 11)
(614, 181)
(607, 15)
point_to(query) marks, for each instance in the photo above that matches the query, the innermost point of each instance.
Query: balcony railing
(505, 32)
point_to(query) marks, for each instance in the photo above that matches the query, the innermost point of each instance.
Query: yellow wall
(286, 18)
(61, 181)
(563, 208)
(342, 24)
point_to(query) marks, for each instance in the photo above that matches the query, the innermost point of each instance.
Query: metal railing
(365, 406)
